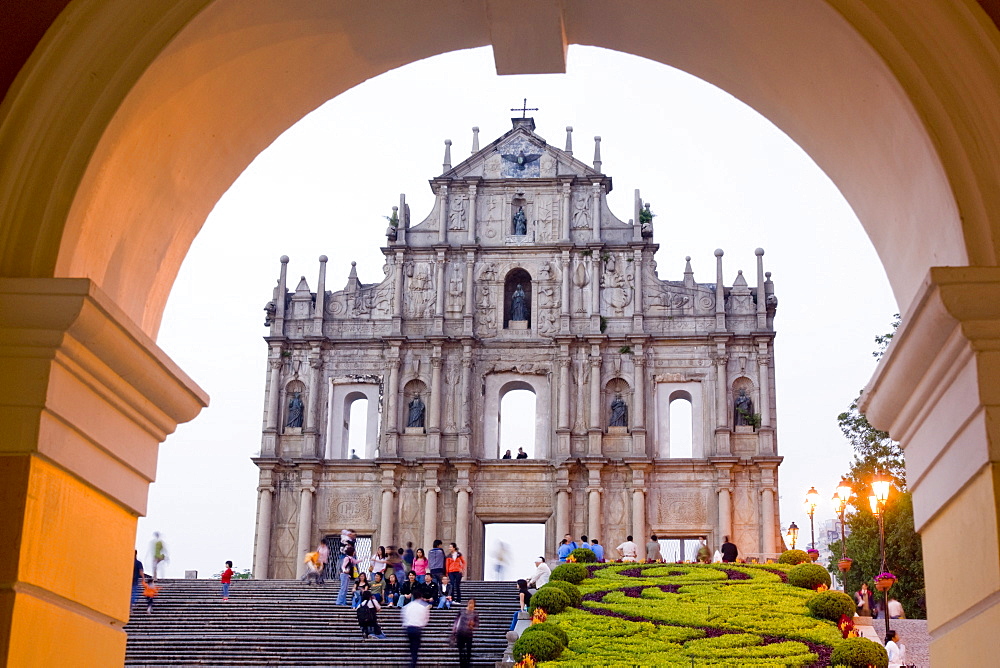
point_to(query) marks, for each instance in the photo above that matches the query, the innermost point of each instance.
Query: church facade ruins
(520, 278)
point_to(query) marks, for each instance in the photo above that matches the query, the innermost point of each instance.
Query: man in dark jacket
(729, 551)
(435, 562)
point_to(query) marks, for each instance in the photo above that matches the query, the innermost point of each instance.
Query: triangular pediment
(519, 154)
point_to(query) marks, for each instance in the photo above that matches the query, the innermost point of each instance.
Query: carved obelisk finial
(569, 139)
(447, 156)
(475, 139)
(597, 154)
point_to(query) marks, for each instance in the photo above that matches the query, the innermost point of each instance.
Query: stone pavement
(912, 633)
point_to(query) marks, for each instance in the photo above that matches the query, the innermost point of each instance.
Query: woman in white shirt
(379, 561)
(895, 649)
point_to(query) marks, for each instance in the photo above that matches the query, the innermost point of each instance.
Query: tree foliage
(875, 452)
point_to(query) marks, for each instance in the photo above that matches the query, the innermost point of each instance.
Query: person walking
(149, 592)
(414, 618)
(227, 578)
(653, 549)
(455, 568)
(346, 573)
(408, 557)
(704, 554)
(138, 577)
(729, 551)
(863, 600)
(159, 551)
(465, 627)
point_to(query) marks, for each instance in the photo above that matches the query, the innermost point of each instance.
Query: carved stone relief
(420, 290)
(618, 283)
(457, 212)
(581, 210)
(549, 301)
(455, 303)
(680, 508)
(353, 508)
(486, 312)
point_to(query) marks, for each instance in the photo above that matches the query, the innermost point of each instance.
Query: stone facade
(438, 342)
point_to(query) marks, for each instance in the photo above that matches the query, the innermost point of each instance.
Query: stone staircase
(288, 623)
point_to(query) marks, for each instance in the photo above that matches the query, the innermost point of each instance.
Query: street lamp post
(812, 500)
(840, 499)
(878, 499)
(793, 534)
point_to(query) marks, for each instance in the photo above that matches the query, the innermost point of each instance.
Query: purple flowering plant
(885, 576)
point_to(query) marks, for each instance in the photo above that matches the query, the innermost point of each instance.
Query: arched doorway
(102, 124)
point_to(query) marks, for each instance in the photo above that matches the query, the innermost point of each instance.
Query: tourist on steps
(378, 588)
(360, 585)
(420, 565)
(347, 563)
(435, 561)
(227, 577)
(447, 594)
(415, 618)
(465, 627)
(391, 592)
(409, 591)
(368, 617)
(455, 568)
(523, 599)
(379, 561)
(431, 590)
(542, 573)
(628, 550)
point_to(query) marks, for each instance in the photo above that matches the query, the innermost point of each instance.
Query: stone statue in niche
(743, 410)
(619, 412)
(518, 305)
(295, 411)
(520, 222)
(457, 214)
(415, 418)
(581, 211)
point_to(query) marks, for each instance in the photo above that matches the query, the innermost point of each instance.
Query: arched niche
(292, 388)
(497, 385)
(617, 387)
(516, 278)
(411, 390)
(743, 384)
(342, 398)
(681, 407)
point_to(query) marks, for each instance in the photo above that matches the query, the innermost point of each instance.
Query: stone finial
(597, 154)
(569, 139)
(688, 272)
(475, 139)
(283, 259)
(447, 156)
(324, 259)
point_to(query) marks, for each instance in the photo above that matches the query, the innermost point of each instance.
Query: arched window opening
(517, 300)
(356, 428)
(681, 426)
(517, 423)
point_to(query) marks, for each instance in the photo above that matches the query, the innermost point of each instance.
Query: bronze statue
(416, 415)
(295, 410)
(520, 222)
(619, 412)
(743, 410)
(518, 305)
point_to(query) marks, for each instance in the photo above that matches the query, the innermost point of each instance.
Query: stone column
(562, 513)
(639, 410)
(566, 279)
(439, 285)
(722, 391)
(595, 283)
(311, 422)
(274, 387)
(465, 412)
(767, 521)
(434, 419)
(472, 216)
(725, 513)
(593, 511)
(385, 536)
(765, 393)
(470, 292)
(391, 404)
(639, 520)
(637, 305)
(564, 389)
(262, 548)
(595, 189)
(461, 518)
(305, 529)
(430, 514)
(567, 212)
(442, 214)
(398, 277)
(595, 391)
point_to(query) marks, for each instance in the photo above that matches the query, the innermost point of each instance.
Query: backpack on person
(366, 615)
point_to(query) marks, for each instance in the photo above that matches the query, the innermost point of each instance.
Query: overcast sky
(718, 175)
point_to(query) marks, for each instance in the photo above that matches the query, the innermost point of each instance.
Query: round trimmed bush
(831, 605)
(551, 628)
(541, 645)
(582, 555)
(550, 599)
(808, 576)
(568, 588)
(859, 653)
(794, 557)
(574, 573)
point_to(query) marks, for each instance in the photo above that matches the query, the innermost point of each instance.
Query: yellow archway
(126, 121)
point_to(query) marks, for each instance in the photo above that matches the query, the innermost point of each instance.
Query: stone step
(287, 623)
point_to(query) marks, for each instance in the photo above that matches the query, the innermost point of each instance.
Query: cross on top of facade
(525, 109)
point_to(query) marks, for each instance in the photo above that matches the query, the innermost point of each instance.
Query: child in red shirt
(227, 577)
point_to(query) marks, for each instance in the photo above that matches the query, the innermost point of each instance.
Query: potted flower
(845, 564)
(813, 554)
(884, 580)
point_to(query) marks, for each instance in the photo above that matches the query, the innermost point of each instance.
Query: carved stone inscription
(682, 509)
(513, 502)
(353, 509)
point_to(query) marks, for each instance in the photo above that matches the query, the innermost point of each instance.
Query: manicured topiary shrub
(808, 576)
(541, 645)
(582, 555)
(831, 605)
(571, 590)
(550, 628)
(794, 557)
(859, 653)
(574, 573)
(550, 599)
